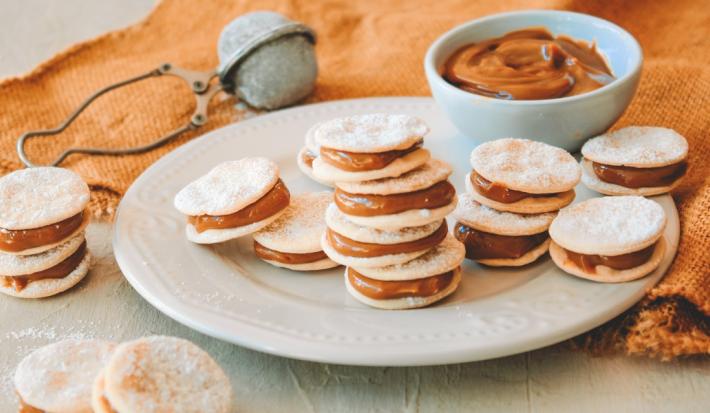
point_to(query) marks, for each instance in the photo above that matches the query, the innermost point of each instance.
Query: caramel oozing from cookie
(25, 239)
(485, 245)
(589, 262)
(359, 162)
(501, 193)
(631, 177)
(387, 290)
(352, 248)
(60, 270)
(274, 201)
(287, 257)
(367, 205)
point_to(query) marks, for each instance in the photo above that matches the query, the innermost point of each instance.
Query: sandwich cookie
(354, 245)
(367, 147)
(308, 154)
(637, 160)
(417, 283)
(419, 197)
(293, 240)
(41, 208)
(47, 273)
(498, 238)
(59, 377)
(234, 199)
(522, 176)
(161, 374)
(610, 239)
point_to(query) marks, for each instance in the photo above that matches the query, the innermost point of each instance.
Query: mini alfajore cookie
(636, 160)
(41, 208)
(308, 154)
(293, 240)
(161, 374)
(234, 199)
(366, 147)
(498, 238)
(419, 197)
(417, 283)
(609, 239)
(522, 176)
(59, 377)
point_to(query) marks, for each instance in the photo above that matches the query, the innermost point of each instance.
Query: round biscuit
(606, 274)
(480, 217)
(165, 374)
(228, 187)
(410, 218)
(308, 170)
(51, 286)
(368, 262)
(432, 172)
(299, 228)
(214, 236)
(371, 133)
(527, 258)
(637, 146)
(405, 303)
(36, 197)
(528, 205)
(609, 225)
(14, 265)
(323, 264)
(527, 166)
(438, 260)
(592, 181)
(326, 172)
(310, 140)
(59, 377)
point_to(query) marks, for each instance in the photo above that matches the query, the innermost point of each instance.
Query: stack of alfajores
(387, 222)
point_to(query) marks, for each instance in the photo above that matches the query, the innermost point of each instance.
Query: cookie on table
(58, 377)
(293, 240)
(636, 160)
(41, 208)
(234, 199)
(161, 374)
(418, 197)
(497, 238)
(417, 283)
(609, 239)
(308, 154)
(522, 176)
(366, 147)
(354, 245)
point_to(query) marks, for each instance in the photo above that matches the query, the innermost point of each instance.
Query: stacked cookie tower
(42, 220)
(387, 222)
(515, 189)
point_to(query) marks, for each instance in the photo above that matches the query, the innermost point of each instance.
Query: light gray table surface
(105, 306)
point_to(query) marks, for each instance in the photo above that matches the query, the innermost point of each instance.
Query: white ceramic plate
(226, 292)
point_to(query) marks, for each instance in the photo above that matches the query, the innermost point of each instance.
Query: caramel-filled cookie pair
(387, 220)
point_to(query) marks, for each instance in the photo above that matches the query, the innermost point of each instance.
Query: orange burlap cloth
(374, 48)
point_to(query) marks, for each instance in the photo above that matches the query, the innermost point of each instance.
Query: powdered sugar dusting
(472, 213)
(526, 165)
(377, 132)
(430, 173)
(228, 187)
(640, 146)
(608, 225)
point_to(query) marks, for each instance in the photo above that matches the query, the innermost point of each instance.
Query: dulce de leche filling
(24, 239)
(500, 193)
(308, 157)
(485, 245)
(589, 262)
(352, 248)
(287, 257)
(367, 205)
(631, 177)
(274, 201)
(358, 162)
(60, 270)
(386, 290)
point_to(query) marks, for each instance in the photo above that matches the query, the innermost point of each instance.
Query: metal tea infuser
(265, 59)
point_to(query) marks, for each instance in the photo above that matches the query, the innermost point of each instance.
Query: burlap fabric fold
(375, 48)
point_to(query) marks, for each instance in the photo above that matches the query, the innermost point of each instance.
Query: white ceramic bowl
(565, 122)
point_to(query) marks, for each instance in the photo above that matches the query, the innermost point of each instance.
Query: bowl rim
(433, 74)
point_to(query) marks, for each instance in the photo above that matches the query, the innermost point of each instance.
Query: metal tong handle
(199, 82)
